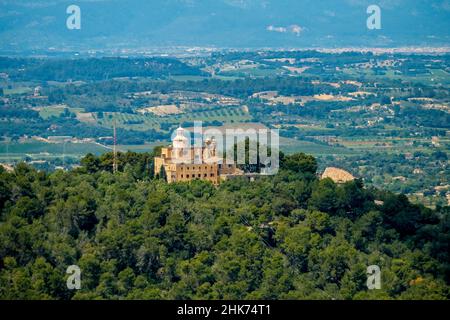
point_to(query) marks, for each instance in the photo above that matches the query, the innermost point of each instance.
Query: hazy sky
(242, 23)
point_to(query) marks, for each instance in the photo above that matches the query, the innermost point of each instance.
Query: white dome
(180, 131)
(180, 141)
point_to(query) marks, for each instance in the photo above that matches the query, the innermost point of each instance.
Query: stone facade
(183, 163)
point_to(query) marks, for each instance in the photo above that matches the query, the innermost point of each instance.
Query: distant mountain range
(109, 24)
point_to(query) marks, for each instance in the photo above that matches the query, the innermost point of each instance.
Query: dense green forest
(92, 69)
(289, 236)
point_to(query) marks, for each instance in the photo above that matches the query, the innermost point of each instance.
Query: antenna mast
(115, 149)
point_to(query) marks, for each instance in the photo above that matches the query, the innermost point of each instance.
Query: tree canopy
(288, 236)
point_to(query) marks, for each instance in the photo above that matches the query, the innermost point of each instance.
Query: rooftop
(337, 175)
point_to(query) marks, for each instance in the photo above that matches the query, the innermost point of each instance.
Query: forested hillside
(21, 69)
(289, 236)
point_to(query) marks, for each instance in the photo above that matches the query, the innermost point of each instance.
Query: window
(187, 176)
